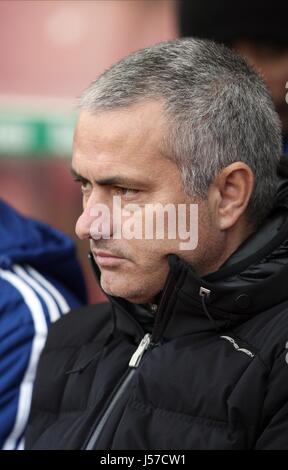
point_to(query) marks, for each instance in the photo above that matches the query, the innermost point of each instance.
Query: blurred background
(51, 50)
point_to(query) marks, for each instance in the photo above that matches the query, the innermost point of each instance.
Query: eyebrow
(111, 180)
(76, 175)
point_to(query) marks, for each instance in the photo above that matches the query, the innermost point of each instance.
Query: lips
(104, 254)
(106, 259)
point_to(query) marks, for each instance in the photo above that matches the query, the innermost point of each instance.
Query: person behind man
(257, 30)
(190, 353)
(40, 280)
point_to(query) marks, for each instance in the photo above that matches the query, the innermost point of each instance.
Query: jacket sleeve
(274, 435)
(29, 303)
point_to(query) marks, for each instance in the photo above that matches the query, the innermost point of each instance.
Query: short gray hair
(219, 112)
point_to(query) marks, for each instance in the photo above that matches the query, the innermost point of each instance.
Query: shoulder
(267, 333)
(81, 326)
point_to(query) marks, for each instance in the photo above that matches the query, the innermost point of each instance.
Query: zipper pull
(153, 308)
(143, 346)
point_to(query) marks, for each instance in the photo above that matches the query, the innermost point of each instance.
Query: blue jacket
(40, 280)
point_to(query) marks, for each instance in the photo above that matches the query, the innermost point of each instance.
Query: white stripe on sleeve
(21, 444)
(52, 307)
(50, 288)
(25, 392)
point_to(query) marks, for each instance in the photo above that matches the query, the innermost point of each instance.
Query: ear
(229, 194)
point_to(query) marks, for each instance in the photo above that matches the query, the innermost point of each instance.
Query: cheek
(150, 251)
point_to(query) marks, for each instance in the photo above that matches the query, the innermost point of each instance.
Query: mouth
(106, 259)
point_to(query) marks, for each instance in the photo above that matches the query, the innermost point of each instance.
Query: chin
(136, 296)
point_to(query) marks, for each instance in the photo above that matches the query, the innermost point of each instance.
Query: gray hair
(219, 112)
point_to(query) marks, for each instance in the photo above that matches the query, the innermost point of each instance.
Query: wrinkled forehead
(141, 122)
(123, 142)
(132, 134)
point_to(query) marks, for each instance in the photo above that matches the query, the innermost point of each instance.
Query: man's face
(117, 153)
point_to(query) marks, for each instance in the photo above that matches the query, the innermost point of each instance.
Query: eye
(125, 192)
(84, 183)
(85, 186)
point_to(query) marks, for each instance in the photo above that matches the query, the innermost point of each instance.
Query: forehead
(129, 136)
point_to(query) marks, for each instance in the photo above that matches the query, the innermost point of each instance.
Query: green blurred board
(35, 134)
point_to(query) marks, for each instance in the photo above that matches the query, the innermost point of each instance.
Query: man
(40, 280)
(191, 351)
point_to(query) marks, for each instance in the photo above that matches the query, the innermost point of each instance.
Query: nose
(95, 222)
(83, 224)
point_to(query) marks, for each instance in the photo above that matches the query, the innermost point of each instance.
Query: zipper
(138, 354)
(147, 341)
(133, 364)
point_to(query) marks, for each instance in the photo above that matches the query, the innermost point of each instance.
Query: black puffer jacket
(214, 374)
